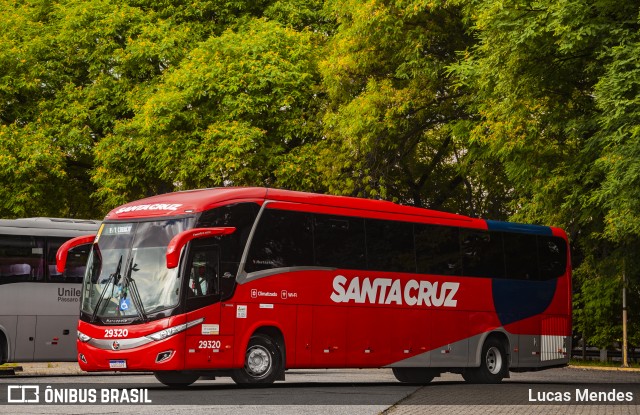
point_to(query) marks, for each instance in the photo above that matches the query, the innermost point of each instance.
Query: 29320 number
(110, 333)
(209, 344)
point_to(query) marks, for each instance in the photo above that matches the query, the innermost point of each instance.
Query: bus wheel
(262, 362)
(414, 374)
(176, 379)
(494, 364)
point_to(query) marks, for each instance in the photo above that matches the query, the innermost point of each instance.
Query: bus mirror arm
(180, 240)
(63, 251)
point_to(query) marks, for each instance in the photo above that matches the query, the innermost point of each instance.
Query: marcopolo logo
(392, 291)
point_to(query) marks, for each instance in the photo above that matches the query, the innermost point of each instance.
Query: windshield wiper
(135, 294)
(116, 276)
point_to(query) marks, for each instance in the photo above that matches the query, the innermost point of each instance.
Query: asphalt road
(347, 391)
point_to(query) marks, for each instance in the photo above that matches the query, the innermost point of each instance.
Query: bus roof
(193, 201)
(60, 227)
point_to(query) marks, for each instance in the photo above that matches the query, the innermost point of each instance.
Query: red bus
(249, 282)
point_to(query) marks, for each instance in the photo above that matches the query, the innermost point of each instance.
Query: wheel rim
(258, 362)
(494, 360)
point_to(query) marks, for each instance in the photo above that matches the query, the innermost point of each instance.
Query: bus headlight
(164, 333)
(83, 337)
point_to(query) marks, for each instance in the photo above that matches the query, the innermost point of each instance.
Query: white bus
(39, 306)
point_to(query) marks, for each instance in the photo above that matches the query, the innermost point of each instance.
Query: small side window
(552, 254)
(282, 239)
(21, 259)
(438, 250)
(203, 271)
(203, 275)
(339, 242)
(390, 246)
(521, 256)
(482, 253)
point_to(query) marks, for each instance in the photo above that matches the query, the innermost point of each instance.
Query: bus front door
(209, 345)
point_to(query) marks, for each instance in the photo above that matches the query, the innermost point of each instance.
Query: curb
(9, 371)
(606, 368)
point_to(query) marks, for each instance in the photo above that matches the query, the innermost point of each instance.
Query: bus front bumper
(127, 355)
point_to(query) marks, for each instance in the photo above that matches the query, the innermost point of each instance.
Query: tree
(74, 69)
(67, 69)
(233, 112)
(393, 123)
(550, 81)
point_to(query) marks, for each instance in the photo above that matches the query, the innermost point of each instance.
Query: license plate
(118, 364)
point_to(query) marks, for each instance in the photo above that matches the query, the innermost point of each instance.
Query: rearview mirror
(180, 240)
(63, 251)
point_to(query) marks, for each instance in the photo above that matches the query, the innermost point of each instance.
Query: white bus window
(21, 259)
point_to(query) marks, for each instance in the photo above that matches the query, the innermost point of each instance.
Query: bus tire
(262, 362)
(414, 374)
(494, 364)
(175, 379)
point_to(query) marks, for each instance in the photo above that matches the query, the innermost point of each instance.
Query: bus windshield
(126, 271)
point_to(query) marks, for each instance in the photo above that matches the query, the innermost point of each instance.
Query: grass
(597, 363)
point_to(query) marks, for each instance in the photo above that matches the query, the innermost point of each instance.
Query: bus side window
(521, 256)
(482, 253)
(438, 250)
(340, 242)
(21, 259)
(240, 216)
(390, 246)
(203, 271)
(282, 239)
(552, 254)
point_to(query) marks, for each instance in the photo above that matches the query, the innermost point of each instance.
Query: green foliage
(229, 114)
(67, 71)
(504, 109)
(618, 97)
(76, 75)
(556, 94)
(392, 129)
